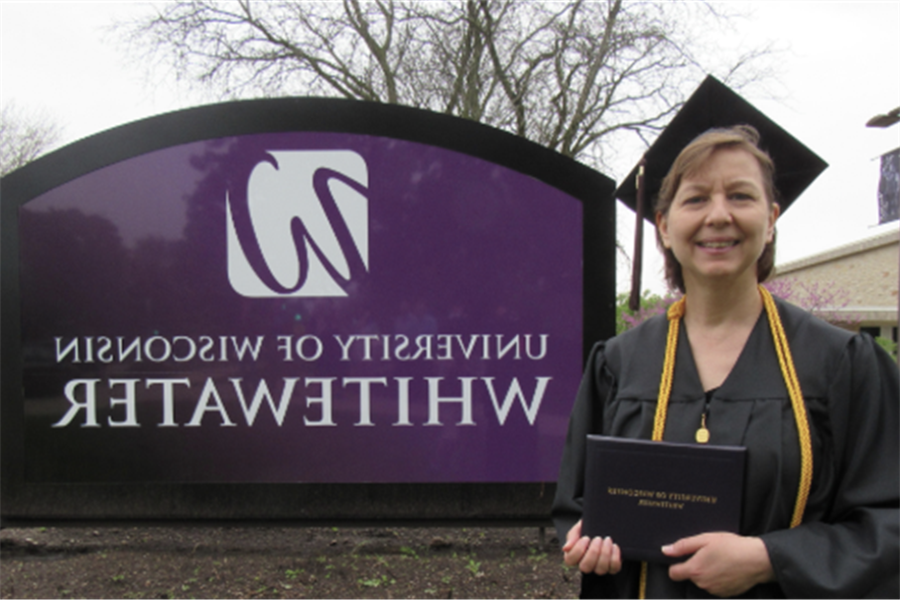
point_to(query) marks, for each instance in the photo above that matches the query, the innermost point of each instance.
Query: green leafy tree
(889, 345)
(651, 305)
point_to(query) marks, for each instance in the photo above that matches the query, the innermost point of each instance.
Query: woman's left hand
(723, 564)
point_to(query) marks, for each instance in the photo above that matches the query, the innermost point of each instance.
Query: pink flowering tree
(824, 300)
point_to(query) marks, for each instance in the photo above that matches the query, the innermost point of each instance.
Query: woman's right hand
(598, 555)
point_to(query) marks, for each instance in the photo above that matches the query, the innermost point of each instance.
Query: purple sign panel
(300, 307)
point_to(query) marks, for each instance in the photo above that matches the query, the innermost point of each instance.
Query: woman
(838, 485)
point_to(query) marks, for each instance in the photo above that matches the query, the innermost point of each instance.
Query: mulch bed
(283, 562)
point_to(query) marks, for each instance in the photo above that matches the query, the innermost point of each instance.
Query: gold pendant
(702, 435)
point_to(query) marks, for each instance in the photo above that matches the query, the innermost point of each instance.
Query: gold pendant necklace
(702, 435)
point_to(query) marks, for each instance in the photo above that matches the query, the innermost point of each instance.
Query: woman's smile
(718, 244)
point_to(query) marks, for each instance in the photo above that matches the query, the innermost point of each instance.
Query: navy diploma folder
(647, 494)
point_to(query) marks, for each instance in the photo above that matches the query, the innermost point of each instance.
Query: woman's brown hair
(689, 161)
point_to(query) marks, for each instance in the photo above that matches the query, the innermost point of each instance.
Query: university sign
(274, 309)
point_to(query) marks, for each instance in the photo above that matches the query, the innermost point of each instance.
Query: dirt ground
(278, 562)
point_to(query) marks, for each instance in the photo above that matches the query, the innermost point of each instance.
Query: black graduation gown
(847, 545)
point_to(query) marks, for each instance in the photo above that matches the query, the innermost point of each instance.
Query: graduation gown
(847, 545)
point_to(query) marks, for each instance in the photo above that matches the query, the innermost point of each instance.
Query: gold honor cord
(785, 361)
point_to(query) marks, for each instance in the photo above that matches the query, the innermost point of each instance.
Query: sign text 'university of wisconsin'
(85, 394)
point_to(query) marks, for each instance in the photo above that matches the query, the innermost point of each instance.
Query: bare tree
(24, 136)
(564, 75)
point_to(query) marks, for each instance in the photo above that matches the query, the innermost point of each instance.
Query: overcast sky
(840, 66)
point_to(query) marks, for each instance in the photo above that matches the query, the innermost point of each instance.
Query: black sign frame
(27, 503)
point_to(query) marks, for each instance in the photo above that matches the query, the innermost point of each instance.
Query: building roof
(884, 238)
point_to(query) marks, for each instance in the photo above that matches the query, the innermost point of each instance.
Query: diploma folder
(646, 494)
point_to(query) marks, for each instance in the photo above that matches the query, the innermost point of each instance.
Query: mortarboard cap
(715, 105)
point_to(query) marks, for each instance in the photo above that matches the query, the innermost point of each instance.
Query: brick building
(854, 285)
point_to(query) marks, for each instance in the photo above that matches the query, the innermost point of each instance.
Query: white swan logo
(300, 228)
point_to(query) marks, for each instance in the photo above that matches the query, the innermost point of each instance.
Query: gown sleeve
(597, 385)
(853, 551)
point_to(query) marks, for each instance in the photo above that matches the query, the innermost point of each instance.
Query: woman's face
(720, 220)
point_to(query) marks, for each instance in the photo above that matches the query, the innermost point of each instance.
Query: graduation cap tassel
(634, 302)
